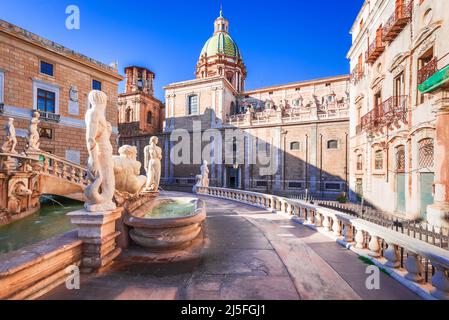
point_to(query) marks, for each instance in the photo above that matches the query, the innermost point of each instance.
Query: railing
(333, 110)
(47, 164)
(422, 264)
(428, 70)
(375, 49)
(48, 116)
(392, 110)
(398, 20)
(64, 169)
(357, 74)
(129, 129)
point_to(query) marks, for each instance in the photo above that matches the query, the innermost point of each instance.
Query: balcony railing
(434, 74)
(357, 74)
(392, 110)
(129, 129)
(376, 48)
(48, 116)
(398, 20)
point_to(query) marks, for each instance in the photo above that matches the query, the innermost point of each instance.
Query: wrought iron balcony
(391, 112)
(357, 74)
(398, 20)
(376, 48)
(129, 129)
(48, 116)
(434, 74)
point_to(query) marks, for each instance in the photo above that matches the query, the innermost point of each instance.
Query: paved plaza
(247, 253)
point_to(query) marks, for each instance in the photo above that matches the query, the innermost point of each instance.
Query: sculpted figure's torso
(127, 171)
(100, 192)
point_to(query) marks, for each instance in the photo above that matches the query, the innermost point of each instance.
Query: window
(96, 85)
(426, 66)
(46, 68)
(399, 88)
(332, 186)
(294, 146)
(2, 85)
(261, 184)
(379, 160)
(128, 115)
(46, 101)
(332, 144)
(359, 162)
(149, 117)
(400, 159)
(193, 105)
(45, 133)
(361, 23)
(426, 153)
(296, 185)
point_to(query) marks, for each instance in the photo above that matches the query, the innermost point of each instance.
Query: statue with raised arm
(33, 133)
(204, 175)
(153, 157)
(100, 167)
(11, 140)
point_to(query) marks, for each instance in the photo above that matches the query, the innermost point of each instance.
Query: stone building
(301, 127)
(399, 98)
(38, 74)
(140, 114)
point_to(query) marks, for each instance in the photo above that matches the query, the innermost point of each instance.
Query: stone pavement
(248, 254)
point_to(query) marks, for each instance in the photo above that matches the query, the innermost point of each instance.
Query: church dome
(221, 42)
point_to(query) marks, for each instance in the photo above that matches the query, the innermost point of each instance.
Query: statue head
(36, 114)
(98, 98)
(11, 120)
(127, 151)
(154, 140)
(205, 162)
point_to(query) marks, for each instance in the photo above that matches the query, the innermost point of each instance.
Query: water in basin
(50, 221)
(172, 208)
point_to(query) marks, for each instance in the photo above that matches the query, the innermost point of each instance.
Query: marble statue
(199, 181)
(100, 167)
(33, 133)
(153, 157)
(11, 140)
(204, 175)
(127, 171)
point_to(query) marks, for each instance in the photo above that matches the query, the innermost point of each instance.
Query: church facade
(279, 139)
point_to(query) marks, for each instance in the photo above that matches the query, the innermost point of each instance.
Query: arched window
(332, 144)
(128, 115)
(294, 146)
(400, 159)
(359, 162)
(426, 154)
(192, 105)
(379, 160)
(149, 117)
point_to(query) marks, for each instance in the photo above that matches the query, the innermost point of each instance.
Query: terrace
(398, 20)
(392, 111)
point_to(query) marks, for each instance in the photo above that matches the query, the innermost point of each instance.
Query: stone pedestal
(438, 212)
(98, 232)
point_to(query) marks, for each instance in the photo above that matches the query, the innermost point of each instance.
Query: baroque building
(140, 114)
(399, 100)
(37, 74)
(302, 127)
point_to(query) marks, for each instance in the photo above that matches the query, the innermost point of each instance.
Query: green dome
(221, 43)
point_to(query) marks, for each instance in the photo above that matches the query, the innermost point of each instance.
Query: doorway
(426, 194)
(233, 178)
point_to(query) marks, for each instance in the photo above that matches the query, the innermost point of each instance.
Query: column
(438, 212)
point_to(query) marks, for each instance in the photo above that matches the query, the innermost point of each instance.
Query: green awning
(434, 82)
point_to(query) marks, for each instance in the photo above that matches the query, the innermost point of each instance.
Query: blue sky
(281, 41)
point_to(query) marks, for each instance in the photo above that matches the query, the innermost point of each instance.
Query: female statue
(100, 166)
(153, 157)
(33, 134)
(11, 140)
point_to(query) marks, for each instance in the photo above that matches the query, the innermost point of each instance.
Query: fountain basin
(166, 223)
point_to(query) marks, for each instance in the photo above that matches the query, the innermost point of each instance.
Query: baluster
(336, 227)
(374, 247)
(392, 255)
(440, 281)
(327, 223)
(310, 218)
(347, 232)
(360, 242)
(318, 219)
(414, 267)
